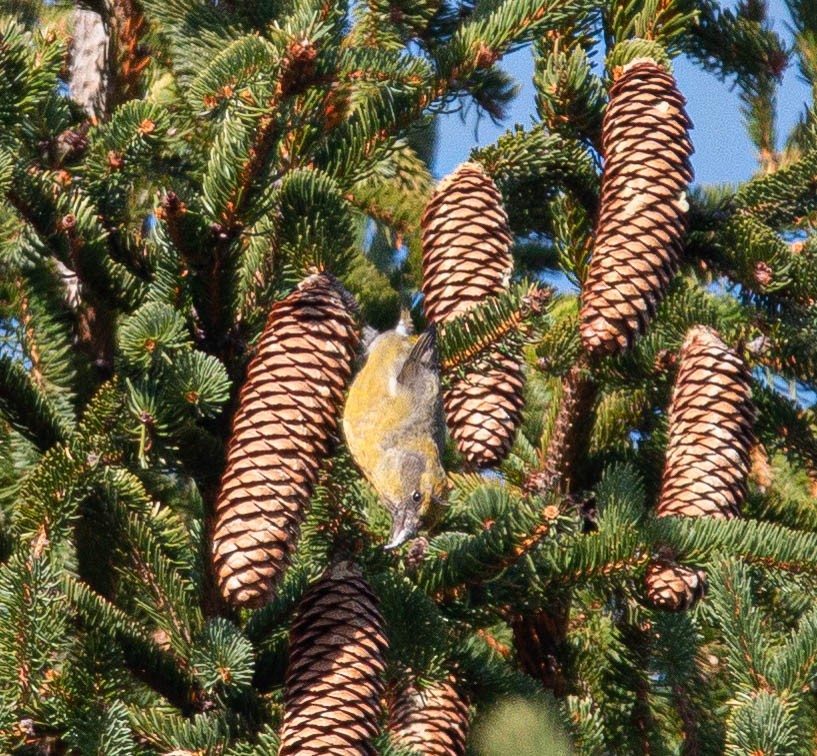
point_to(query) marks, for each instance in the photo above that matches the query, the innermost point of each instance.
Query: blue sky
(723, 153)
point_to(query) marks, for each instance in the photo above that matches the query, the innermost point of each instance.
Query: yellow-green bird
(394, 429)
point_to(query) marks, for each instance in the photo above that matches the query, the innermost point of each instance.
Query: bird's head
(414, 488)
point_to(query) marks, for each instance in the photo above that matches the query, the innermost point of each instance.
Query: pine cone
(333, 684)
(642, 216)
(433, 721)
(708, 455)
(287, 414)
(674, 587)
(710, 431)
(466, 244)
(483, 409)
(466, 258)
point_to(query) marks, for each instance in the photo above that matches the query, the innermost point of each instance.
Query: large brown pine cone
(643, 212)
(466, 258)
(466, 244)
(708, 455)
(710, 431)
(433, 721)
(334, 678)
(287, 415)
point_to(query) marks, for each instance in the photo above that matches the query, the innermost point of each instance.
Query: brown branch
(539, 637)
(690, 720)
(571, 432)
(493, 643)
(549, 516)
(129, 58)
(607, 570)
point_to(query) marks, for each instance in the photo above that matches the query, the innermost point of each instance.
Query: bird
(394, 429)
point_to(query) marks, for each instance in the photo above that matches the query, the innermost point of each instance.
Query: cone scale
(287, 414)
(466, 258)
(643, 209)
(334, 677)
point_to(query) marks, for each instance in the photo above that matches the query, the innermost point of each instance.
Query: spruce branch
(178, 735)
(511, 529)
(529, 164)
(146, 659)
(499, 321)
(765, 544)
(736, 43)
(569, 97)
(539, 637)
(27, 408)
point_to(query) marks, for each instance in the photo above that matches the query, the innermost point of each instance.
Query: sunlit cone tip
(282, 431)
(333, 683)
(468, 169)
(644, 60)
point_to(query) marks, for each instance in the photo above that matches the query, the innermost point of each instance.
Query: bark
(88, 83)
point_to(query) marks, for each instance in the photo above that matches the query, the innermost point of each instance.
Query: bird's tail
(423, 356)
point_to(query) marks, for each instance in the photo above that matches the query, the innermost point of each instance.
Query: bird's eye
(416, 496)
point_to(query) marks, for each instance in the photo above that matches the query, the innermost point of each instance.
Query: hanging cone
(333, 684)
(483, 410)
(710, 431)
(708, 454)
(466, 244)
(287, 413)
(433, 721)
(642, 215)
(674, 587)
(466, 258)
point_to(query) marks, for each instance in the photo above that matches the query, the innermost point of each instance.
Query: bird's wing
(420, 374)
(421, 359)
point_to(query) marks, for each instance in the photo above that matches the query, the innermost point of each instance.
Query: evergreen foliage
(241, 146)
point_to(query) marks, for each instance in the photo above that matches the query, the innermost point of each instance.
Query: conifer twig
(570, 434)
